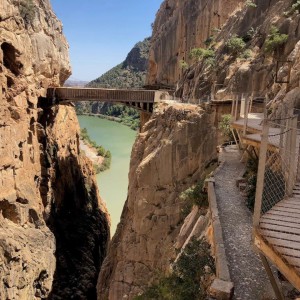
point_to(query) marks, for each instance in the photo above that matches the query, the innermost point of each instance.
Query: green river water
(112, 183)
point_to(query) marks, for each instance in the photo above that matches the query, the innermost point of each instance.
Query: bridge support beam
(144, 118)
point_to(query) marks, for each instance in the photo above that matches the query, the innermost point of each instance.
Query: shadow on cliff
(80, 227)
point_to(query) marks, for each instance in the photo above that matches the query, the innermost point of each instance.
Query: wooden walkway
(278, 233)
(140, 99)
(278, 236)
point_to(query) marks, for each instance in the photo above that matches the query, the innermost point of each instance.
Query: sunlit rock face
(169, 155)
(42, 176)
(181, 25)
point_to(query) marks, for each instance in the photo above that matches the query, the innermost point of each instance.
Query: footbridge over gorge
(142, 100)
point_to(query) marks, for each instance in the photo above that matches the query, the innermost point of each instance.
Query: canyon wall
(180, 26)
(254, 70)
(169, 155)
(52, 221)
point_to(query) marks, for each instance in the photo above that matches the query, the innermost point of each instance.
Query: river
(112, 183)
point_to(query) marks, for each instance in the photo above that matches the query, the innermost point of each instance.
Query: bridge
(142, 100)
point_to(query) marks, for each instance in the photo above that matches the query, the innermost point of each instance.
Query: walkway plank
(281, 218)
(281, 235)
(293, 261)
(278, 242)
(288, 251)
(280, 223)
(280, 228)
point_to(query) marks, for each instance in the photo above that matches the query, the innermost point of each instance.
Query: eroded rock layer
(168, 156)
(48, 196)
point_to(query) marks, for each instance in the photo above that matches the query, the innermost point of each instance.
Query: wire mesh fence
(278, 172)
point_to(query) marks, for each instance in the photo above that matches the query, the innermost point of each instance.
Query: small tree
(183, 64)
(236, 45)
(225, 127)
(250, 3)
(275, 39)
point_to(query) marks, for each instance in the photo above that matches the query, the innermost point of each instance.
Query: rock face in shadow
(47, 191)
(169, 155)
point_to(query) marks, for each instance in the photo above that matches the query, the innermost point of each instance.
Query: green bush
(250, 3)
(296, 6)
(225, 127)
(186, 281)
(183, 64)
(194, 196)
(201, 53)
(275, 39)
(209, 41)
(27, 10)
(246, 54)
(236, 45)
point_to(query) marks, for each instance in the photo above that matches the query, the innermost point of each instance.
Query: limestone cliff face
(168, 156)
(256, 74)
(181, 25)
(47, 191)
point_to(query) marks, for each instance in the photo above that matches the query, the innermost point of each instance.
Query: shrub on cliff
(226, 128)
(208, 55)
(27, 11)
(275, 39)
(250, 3)
(190, 278)
(235, 45)
(194, 196)
(183, 64)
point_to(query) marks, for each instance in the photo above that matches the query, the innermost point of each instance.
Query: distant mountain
(131, 73)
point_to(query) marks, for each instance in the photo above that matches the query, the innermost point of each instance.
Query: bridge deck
(107, 95)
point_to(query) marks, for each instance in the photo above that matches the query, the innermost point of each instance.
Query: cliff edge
(47, 190)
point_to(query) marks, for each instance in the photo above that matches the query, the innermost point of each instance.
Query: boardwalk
(276, 224)
(247, 273)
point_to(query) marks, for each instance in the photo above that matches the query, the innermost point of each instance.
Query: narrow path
(246, 270)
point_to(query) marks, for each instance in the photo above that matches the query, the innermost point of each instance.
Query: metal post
(242, 109)
(292, 161)
(246, 116)
(274, 283)
(236, 107)
(261, 174)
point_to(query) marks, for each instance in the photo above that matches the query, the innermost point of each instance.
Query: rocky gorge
(54, 227)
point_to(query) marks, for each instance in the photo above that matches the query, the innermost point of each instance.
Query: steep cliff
(180, 26)
(169, 155)
(52, 222)
(259, 28)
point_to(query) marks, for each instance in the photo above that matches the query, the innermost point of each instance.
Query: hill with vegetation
(131, 73)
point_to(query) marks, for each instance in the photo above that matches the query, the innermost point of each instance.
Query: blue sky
(101, 32)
